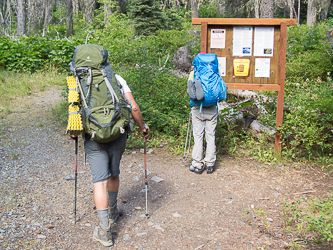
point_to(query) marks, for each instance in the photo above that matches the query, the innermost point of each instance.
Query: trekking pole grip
(146, 127)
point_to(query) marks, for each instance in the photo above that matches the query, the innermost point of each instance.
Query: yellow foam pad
(75, 122)
(73, 96)
(71, 82)
(74, 125)
(73, 108)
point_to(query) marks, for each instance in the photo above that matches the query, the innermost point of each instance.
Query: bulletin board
(251, 53)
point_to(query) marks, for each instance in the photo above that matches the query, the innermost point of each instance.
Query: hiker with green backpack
(107, 108)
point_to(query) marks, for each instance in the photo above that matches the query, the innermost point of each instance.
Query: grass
(14, 85)
(60, 112)
(14, 155)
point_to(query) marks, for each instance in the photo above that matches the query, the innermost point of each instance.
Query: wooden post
(204, 37)
(282, 72)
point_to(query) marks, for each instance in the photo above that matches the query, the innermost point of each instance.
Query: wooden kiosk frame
(277, 63)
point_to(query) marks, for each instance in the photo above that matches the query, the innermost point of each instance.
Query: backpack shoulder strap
(191, 75)
(108, 84)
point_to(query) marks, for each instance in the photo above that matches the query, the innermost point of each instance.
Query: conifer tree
(147, 17)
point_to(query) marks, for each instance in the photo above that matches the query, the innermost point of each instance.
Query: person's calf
(113, 209)
(112, 198)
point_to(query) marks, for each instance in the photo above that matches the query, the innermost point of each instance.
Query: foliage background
(144, 60)
(143, 57)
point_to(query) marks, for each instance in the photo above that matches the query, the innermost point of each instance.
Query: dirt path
(187, 211)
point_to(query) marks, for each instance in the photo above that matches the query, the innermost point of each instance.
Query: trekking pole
(189, 143)
(145, 161)
(146, 181)
(75, 178)
(185, 157)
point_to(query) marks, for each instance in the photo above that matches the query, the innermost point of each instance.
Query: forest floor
(186, 210)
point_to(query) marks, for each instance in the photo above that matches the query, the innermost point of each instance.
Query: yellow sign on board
(241, 67)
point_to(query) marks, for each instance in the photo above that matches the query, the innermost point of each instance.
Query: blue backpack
(208, 88)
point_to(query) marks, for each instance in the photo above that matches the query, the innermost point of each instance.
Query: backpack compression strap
(113, 94)
(76, 72)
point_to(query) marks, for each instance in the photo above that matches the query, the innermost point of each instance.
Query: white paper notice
(217, 38)
(262, 67)
(242, 41)
(222, 65)
(263, 41)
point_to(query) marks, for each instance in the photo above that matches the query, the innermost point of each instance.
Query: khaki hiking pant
(204, 123)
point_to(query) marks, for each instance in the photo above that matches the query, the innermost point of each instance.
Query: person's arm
(137, 114)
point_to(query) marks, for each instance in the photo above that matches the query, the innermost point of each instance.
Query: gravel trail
(187, 211)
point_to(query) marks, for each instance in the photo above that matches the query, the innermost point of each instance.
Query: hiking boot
(103, 236)
(199, 170)
(192, 168)
(210, 169)
(114, 213)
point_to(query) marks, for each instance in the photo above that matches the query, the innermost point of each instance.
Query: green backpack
(105, 113)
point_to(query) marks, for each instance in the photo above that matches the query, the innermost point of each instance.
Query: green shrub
(309, 54)
(147, 17)
(312, 216)
(30, 54)
(162, 99)
(126, 50)
(319, 218)
(209, 10)
(308, 126)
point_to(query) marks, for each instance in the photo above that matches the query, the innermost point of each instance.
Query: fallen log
(250, 95)
(258, 98)
(255, 128)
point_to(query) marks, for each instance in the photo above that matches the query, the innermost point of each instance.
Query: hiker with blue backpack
(107, 106)
(206, 89)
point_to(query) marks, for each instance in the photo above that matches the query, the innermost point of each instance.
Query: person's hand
(146, 132)
(73, 137)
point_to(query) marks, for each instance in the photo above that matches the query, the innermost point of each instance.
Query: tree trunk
(70, 17)
(76, 6)
(88, 10)
(194, 9)
(291, 8)
(2, 20)
(7, 17)
(47, 6)
(312, 12)
(267, 9)
(21, 17)
(324, 7)
(34, 15)
(256, 8)
(121, 5)
(107, 11)
(221, 7)
(187, 8)
(323, 14)
(299, 13)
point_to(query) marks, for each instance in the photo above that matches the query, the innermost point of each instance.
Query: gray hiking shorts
(104, 158)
